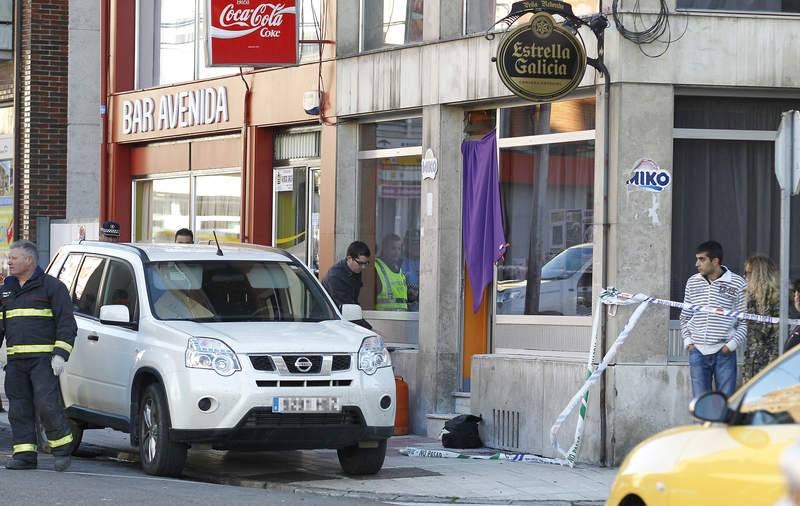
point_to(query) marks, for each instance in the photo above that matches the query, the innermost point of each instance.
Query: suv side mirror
(711, 407)
(352, 312)
(116, 314)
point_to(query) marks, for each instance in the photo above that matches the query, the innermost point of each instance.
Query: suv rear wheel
(158, 455)
(355, 460)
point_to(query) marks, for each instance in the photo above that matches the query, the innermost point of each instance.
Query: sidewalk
(402, 480)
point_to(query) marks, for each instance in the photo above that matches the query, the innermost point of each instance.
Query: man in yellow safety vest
(394, 294)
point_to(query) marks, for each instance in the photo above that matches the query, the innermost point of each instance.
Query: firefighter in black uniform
(39, 328)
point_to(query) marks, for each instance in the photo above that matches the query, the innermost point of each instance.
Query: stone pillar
(645, 394)
(347, 185)
(441, 266)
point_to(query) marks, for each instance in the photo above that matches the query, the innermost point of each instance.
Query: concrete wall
(83, 112)
(718, 54)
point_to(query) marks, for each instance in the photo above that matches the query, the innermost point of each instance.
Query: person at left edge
(39, 328)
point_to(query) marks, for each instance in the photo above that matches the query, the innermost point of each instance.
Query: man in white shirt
(710, 338)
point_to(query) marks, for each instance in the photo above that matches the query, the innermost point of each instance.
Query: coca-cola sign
(255, 33)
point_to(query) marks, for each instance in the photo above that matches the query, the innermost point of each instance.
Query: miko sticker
(647, 175)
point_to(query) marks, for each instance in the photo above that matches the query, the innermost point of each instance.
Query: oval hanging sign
(541, 61)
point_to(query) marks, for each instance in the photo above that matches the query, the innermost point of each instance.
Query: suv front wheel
(355, 460)
(158, 455)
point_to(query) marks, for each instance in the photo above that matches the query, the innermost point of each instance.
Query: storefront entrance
(296, 212)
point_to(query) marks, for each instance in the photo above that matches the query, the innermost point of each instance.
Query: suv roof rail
(248, 245)
(118, 245)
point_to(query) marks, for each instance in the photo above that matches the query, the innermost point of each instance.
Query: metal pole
(786, 193)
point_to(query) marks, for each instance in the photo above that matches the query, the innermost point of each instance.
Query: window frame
(379, 154)
(192, 175)
(385, 47)
(538, 140)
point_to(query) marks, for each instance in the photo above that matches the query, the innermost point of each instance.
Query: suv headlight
(207, 353)
(373, 355)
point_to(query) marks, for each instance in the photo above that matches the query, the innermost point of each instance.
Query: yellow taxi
(732, 459)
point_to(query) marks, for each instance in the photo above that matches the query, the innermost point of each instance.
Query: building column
(645, 393)
(441, 266)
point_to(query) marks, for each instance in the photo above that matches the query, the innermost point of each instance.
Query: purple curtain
(484, 239)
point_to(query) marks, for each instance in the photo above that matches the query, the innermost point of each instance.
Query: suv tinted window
(119, 287)
(87, 286)
(68, 270)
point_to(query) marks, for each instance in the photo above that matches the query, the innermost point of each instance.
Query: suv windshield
(235, 291)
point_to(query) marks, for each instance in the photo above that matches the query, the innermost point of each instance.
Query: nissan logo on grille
(303, 364)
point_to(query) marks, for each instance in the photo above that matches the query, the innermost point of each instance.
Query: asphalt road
(96, 479)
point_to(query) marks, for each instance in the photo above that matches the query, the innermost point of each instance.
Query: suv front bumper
(261, 429)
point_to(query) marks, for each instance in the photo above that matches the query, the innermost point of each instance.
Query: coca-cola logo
(266, 18)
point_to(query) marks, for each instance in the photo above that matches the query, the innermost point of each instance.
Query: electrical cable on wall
(320, 27)
(648, 34)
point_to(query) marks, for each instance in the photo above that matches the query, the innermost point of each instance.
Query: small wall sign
(429, 165)
(647, 175)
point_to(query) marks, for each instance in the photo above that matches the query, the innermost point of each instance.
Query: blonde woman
(763, 289)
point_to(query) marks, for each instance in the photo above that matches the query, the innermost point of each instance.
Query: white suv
(233, 348)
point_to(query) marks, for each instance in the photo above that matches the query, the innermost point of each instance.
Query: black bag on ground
(462, 432)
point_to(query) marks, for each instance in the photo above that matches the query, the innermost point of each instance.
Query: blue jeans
(721, 367)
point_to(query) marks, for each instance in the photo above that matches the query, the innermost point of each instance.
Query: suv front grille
(262, 363)
(264, 418)
(291, 363)
(341, 362)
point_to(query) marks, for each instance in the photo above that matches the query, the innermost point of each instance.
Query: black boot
(62, 462)
(19, 463)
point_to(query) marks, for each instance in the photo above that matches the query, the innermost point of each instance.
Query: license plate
(305, 405)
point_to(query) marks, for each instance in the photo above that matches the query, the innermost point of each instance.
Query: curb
(384, 497)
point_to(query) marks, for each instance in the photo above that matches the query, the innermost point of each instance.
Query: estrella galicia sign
(647, 175)
(541, 61)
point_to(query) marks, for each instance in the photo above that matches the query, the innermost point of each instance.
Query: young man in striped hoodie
(712, 339)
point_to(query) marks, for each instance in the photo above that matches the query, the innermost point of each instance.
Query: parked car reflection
(565, 289)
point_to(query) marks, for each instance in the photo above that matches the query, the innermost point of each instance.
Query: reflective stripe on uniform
(61, 442)
(29, 348)
(25, 447)
(12, 313)
(63, 345)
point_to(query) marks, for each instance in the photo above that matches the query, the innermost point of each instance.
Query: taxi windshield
(236, 290)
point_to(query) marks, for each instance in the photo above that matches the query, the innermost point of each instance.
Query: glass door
(290, 220)
(313, 226)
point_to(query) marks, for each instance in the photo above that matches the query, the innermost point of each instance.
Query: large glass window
(741, 5)
(482, 14)
(162, 207)
(724, 185)
(172, 40)
(390, 183)
(547, 200)
(388, 23)
(204, 203)
(218, 207)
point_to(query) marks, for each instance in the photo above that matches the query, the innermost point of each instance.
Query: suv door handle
(92, 337)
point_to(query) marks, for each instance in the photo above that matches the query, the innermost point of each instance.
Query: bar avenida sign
(541, 61)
